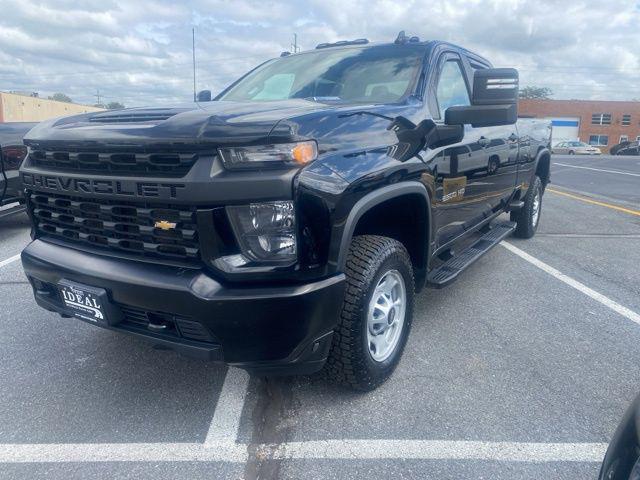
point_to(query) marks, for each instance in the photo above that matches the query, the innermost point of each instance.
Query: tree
(536, 92)
(115, 105)
(61, 97)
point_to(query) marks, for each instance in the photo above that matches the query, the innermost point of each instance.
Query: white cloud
(139, 52)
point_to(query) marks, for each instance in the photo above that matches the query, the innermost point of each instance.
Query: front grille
(165, 323)
(118, 226)
(120, 163)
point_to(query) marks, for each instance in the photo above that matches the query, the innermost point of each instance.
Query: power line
(294, 45)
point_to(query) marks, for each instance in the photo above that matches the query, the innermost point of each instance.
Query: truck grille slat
(118, 226)
(121, 163)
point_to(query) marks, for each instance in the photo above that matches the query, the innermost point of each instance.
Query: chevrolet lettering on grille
(102, 186)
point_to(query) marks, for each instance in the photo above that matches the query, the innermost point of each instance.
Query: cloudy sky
(138, 52)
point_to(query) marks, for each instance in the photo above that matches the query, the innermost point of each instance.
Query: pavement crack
(270, 428)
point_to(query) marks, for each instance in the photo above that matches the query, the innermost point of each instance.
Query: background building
(601, 123)
(24, 108)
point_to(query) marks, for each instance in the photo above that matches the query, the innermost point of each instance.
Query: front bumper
(269, 329)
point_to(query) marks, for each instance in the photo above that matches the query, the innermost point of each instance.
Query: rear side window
(452, 89)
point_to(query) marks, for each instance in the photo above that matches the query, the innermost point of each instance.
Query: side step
(515, 206)
(448, 272)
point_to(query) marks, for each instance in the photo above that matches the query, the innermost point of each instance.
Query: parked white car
(575, 148)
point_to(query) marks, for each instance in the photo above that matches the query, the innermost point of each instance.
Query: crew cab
(286, 225)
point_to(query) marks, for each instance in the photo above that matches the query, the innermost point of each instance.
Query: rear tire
(572, 152)
(528, 218)
(368, 343)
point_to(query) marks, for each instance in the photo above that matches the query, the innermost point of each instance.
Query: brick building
(601, 123)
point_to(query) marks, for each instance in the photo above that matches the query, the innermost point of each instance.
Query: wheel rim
(385, 320)
(535, 214)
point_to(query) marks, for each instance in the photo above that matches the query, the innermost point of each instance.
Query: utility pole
(98, 96)
(294, 45)
(193, 45)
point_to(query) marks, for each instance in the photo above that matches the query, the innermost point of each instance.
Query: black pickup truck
(286, 225)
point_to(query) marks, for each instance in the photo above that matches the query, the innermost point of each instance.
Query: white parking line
(121, 452)
(599, 169)
(322, 449)
(226, 417)
(606, 301)
(443, 450)
(9, 260)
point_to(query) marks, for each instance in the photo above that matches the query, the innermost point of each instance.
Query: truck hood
(188, 125)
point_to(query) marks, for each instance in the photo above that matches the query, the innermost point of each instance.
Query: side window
(452, 89)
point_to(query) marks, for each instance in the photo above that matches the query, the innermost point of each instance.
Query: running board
(449, 271)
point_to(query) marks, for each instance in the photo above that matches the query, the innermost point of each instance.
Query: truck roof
(364, 43)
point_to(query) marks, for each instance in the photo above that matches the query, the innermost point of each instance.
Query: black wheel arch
(369, 206)
(543, 166)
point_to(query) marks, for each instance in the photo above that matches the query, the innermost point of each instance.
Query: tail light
(13, 156)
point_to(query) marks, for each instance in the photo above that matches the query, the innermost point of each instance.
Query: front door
(457, 203)
(473, 178)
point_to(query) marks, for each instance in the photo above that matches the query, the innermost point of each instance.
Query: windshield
(383, 74)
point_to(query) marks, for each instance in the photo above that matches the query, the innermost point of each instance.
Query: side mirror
(204, 96)
(413, 138)
(494, 101)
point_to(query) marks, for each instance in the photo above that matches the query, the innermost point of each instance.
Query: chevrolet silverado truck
(12, 153)
(286, 225)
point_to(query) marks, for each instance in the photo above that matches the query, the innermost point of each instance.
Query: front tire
(528, 218)
(376, 314)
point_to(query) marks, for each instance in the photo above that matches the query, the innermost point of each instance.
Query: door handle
(483, 141)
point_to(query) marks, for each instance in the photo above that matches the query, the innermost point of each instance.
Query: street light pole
(193, 46)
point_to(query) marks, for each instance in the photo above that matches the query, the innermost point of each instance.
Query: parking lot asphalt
(606, 176)
(520, 369)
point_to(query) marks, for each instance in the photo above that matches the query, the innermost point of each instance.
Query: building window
(601, 119)
(626, 120)
(599, 140)
(638, 138)
(624, 138)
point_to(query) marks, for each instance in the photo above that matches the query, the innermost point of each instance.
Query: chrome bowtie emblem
(165, 225)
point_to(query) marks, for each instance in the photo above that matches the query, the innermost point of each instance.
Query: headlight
(266, 233)
(284, 154)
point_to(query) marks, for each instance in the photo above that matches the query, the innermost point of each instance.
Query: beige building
(23, 108)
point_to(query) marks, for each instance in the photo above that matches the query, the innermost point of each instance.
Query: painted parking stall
(532, 392)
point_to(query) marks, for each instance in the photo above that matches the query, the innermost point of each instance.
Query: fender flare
(541, 152)
(373, 199)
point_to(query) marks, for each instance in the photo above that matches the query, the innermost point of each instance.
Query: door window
(452, 89)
